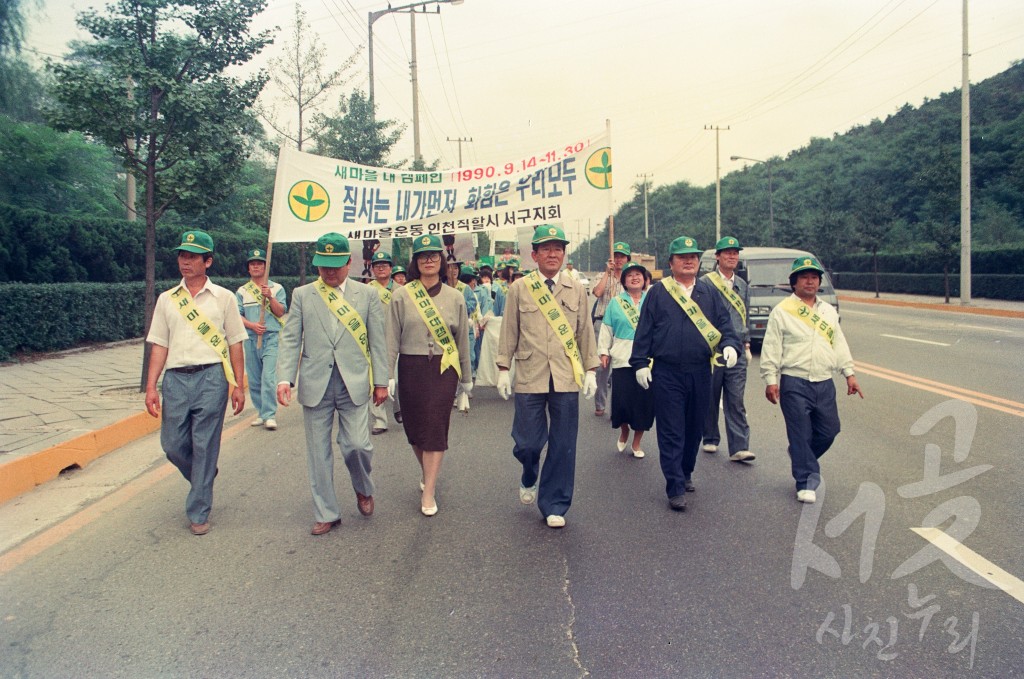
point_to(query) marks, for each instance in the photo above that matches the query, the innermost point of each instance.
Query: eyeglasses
(429, 256)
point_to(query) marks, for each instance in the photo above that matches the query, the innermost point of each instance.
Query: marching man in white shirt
(803, 347)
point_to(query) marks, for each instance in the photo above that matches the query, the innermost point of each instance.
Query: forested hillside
(893, 185)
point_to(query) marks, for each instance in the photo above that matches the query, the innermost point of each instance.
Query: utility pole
(644, 177)
(965, 174)
(460, 141)
(718, 183)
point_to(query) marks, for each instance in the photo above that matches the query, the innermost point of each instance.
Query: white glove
(729, 354)
(463, 402)
(589, 385)
(391, 389)
(750, 356)
(466, 388)
(643, 377)
(504, 385)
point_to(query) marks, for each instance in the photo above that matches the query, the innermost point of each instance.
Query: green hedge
(990, 286)
(56, 316)
(39, 247)
(1004, 260)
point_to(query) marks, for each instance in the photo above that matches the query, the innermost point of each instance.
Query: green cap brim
(331, 261)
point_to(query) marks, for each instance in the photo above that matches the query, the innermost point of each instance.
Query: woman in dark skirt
(632, 407)
(433, 360)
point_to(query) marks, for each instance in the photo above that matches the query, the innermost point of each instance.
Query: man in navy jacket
(684, 325)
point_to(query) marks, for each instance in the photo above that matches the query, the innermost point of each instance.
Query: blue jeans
(530, 431)
(261, 366)
(812, 424)
(728, 385)
(193, 418)
(680, 407)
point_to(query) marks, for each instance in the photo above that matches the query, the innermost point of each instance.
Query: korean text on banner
(314, 195)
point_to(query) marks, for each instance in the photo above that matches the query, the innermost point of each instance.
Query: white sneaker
(807, 496)
(742, 456)
(258, 422)
(271, 424)
(638, 453)
(556, 521)
(527, 495)
(710, 448)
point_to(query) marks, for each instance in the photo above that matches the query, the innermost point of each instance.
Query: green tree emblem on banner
(308, 201)
(599, 168)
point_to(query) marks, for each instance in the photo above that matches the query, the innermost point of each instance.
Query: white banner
(314, 195)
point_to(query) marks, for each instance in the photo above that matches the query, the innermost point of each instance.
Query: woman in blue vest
(632, 406)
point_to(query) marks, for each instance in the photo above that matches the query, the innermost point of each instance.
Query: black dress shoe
(677, 503)
(377, 430)
(398, 416)
(688, 486)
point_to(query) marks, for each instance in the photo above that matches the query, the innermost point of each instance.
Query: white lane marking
(982, 327)
(912, 339)
(858, 313)
(974, 561)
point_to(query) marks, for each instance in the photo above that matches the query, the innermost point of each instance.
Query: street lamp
(409, 9)
(771, 210)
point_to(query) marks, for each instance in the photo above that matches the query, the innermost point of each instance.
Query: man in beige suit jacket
(548, 333)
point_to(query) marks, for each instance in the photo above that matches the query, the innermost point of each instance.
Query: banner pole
(263, 307)
(611, 198)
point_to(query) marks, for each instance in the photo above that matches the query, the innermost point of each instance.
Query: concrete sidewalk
(67, 409)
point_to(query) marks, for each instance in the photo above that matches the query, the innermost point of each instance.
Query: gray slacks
(353, 440)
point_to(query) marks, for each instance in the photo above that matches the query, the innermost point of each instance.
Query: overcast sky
(520, 76)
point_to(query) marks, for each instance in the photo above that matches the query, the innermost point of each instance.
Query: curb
(977, 311)
(29, 471)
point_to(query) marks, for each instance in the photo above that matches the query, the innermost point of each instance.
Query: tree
(153, 87)
(355, 135)
(299, 76)
(20, 88)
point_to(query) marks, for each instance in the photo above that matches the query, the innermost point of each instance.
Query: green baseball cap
(427, 243)
(621, 248)
(684, 245)
(806, 264)
(381, 256)
(547, 233)
(633, 266)
(467, 270)
(196, 241)
(332, 250)
(255, 255)
(397, 270)
(727, 243)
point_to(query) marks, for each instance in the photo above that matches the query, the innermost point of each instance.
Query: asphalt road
(745, 583)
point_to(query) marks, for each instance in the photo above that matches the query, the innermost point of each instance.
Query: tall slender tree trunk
(150, 294)
(874, 265)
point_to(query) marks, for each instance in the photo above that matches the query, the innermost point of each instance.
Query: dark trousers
(681, 398)
(812, 424)
(530, 431)
(727, 386)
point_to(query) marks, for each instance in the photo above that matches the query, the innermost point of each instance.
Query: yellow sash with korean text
(254, 290)
(349, 318)
(435, 325)
(731, 295)
(194, 316)
(382, 291)
(545, 299)
(630, 311)
(708, 331)
(810, 317)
